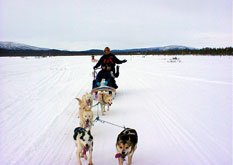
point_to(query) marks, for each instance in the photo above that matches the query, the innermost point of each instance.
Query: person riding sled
(109, 61)
(107, 75)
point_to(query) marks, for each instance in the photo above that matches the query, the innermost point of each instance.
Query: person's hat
(107, 49)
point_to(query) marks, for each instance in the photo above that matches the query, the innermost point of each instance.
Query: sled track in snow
(175, 124)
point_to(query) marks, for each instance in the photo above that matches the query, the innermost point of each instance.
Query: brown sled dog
(126, 145)
(87, 99)
(104, 99)
(85, 114)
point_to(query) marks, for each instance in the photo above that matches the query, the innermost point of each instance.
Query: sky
(119, 24)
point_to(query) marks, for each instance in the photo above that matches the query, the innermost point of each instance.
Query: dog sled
(102, 88)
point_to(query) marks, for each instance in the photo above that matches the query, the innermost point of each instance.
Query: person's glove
(106, 83)
(124, 61)
(98, 84)
(94, 67)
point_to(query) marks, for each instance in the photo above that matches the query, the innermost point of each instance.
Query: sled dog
(104, 99)
(85, 114)
(126, 145)
(87, 99)
(84, 143)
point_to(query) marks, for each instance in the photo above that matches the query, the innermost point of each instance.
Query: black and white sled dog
(126, 145)
(84, 143)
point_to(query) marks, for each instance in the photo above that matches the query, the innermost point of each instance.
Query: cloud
(81, 25)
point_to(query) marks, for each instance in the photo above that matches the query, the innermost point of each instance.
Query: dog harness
(85, 149)
(87, 124)
(88, 102)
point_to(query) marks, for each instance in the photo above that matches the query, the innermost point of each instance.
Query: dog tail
(79, 100)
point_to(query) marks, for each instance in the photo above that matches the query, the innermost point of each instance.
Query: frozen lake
(181, 109)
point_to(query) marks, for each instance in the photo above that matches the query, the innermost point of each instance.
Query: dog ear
(79, 100)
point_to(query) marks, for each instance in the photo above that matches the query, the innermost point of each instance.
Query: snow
(182, 111)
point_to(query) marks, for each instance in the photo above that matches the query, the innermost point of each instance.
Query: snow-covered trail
(35, 94)
(181, 111)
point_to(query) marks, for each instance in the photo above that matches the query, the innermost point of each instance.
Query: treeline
(52, 52)
(204, 51)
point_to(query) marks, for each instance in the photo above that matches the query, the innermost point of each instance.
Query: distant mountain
(18, 46)
(165, 48)
(18, 49)
(93, 50)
